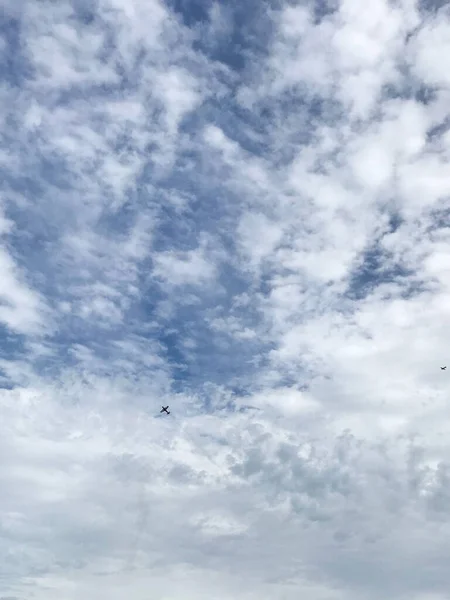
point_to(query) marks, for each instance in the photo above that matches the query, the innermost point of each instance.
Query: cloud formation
(241, 212)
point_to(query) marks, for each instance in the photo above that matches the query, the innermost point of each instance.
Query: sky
(240, 210)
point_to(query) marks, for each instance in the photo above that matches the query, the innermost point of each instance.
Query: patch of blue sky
(14, 68)
(375, 269)
(440, 219)
(437, 131)
(191, 11)
(245, 127)
(232, 282)
(41, 179)
(432, 5)
(180, 231)
(33, 248)
(96, 92)
(246, 29)
(59, 353)
(85, 11)
(376, 266)
(196, 353)
(11, 346)
(298, 113)
(406, 85)
(210, 209)
(323, 8)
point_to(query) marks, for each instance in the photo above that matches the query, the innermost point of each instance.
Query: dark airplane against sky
(164, 409)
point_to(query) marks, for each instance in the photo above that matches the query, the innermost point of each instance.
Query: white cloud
(62, 51)
(244, 217)
(429, 46)
(21, 310)
(178, 94)
(258, 237)
(190, 267)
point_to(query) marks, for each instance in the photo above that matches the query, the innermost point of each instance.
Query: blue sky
(240, 210)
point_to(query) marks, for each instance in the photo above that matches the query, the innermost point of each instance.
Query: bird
(443, 368)
(164, 409)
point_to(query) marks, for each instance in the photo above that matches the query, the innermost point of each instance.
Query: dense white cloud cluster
(242, 212)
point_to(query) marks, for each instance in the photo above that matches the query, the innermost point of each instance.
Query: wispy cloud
(241, 212)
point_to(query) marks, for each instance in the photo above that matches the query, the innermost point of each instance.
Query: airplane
(443, 368)
(164, 409)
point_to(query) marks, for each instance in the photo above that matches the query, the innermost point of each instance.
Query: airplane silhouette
(443, 368)
(164, 409)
